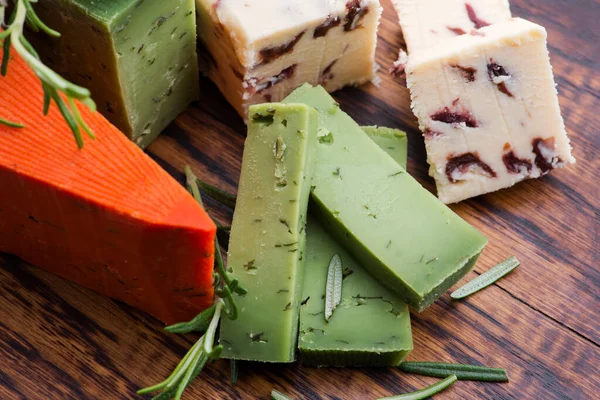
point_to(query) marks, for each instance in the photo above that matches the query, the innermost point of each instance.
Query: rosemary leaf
(276, 395)
(37, 22)
(220, 195)
(53, 84)
(11, 124)
(463, 372)
(235, 373)
(333, 291)
(486, 279)
(199, 323)
(426, 392)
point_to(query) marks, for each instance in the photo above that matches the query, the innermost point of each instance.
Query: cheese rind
(259, 51)
(426, 23)
(406, 238)
(488, 108)
(138, 58)
(266, 249)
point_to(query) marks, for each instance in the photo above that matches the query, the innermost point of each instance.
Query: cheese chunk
(138, 58)
(260, 50)
(407, 239)
(488, 108)
(266, 250)
(425, 23)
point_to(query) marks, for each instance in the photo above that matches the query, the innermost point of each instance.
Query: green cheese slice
(268, 237)
(371, 327)
(406, 237)
(137, 57)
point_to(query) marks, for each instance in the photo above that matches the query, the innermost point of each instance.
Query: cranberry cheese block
(260, 51)
(488, 108)
(425, 23)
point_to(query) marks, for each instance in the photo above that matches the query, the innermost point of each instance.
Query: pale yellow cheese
(425, 23)
(488, 107)
(260, 50)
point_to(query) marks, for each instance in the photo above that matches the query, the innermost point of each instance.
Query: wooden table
(542, 322)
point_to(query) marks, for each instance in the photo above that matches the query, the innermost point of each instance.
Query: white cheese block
(488, 108)
(425, 23)
(261, 50)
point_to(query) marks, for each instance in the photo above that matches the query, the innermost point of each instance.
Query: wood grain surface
(542, 322)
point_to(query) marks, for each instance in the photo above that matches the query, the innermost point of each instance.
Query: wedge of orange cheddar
(106, 217)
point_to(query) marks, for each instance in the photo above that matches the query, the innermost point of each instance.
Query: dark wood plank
(59, 341)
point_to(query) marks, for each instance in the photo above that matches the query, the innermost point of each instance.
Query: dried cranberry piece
(252, 85)
(458, 31)
(355, 12)
(496, 70)
(544, 154)
(448, 116)
(479, 23)
(330, 22)
(462, 164)
(516, 165)
(327, 75)
(429, 134)
(269, 54)
(468, 73)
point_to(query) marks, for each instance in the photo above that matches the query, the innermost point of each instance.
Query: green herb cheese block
(392, 141)
(268, 237)
(407, 238)
(370, 327)
(137, 57)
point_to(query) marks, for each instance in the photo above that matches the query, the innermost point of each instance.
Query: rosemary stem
(209, 336)
(183, 366)
(426, 392)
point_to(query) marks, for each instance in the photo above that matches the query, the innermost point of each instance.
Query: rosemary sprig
(55, 86)
(463, 372)
(206, 323)
(486, 279)
(426, 392)
(333, 291)
(276, 395)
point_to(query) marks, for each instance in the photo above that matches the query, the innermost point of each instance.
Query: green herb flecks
(463, 372)
(333, 291)
(427, 392)
(206, 323)
(54, 85)
(486, 279)
(275, 395)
